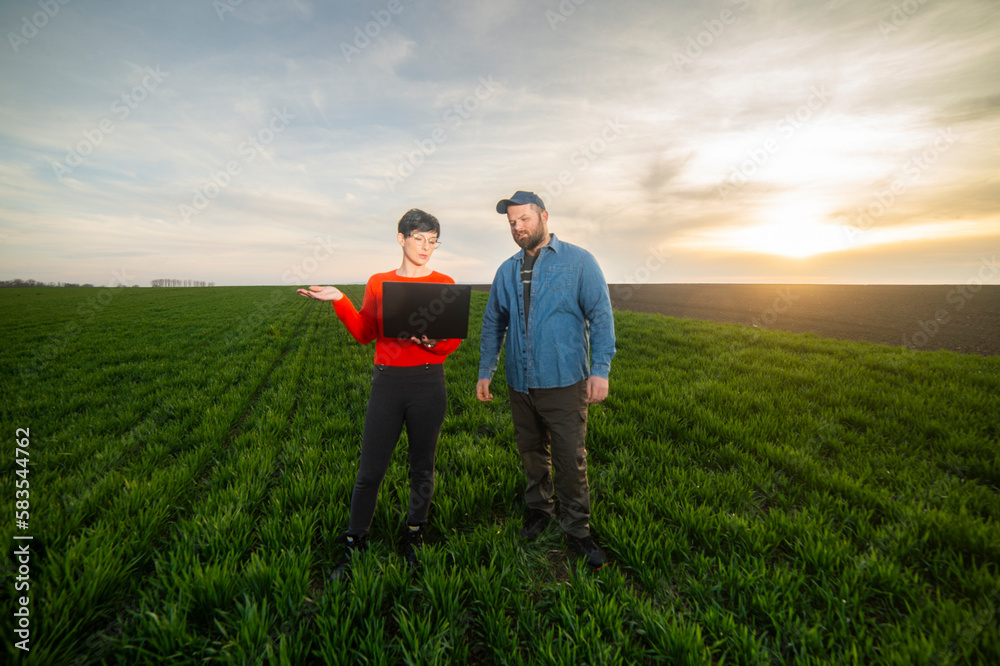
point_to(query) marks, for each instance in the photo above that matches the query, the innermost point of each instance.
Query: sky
(268, 142)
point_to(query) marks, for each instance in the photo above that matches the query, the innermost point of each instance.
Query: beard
(532, 240)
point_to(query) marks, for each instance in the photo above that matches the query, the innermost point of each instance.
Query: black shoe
(414, 543)
(586, 548)
(534, 524)
(353, 546)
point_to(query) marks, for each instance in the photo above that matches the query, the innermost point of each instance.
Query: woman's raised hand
(322, 293)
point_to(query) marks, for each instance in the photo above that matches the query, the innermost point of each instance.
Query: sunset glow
(788, 239)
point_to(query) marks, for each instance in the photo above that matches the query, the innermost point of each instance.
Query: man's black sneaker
(414, 544)
(534, 524)
(353, 545)
(586, 548)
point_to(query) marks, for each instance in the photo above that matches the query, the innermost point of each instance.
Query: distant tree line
(18, 282)
(168, 282)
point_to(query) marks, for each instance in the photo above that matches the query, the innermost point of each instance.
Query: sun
(794, 239)
(794, 231)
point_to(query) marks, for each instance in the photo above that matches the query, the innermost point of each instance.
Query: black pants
(550, 427)
(417, 397)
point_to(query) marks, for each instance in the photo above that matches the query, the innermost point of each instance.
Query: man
(551, 303)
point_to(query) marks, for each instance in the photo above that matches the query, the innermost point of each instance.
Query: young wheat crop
(764, 497)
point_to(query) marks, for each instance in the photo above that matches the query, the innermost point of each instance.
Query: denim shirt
(570, 333)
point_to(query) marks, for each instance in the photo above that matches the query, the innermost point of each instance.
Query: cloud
(629, 119)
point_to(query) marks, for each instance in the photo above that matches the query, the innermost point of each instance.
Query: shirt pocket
(559, 277)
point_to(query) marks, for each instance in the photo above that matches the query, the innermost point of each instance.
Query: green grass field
(764, 497)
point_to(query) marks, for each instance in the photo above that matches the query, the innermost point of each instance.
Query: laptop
(435, 309)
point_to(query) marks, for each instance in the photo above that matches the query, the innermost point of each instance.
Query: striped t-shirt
(526, 269)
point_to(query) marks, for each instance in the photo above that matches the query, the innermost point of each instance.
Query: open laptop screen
(435, 309)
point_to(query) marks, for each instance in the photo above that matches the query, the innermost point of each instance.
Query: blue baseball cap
(519, 199)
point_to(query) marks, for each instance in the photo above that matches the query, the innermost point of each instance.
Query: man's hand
(322, 293)
(597, 389)
(483, 390)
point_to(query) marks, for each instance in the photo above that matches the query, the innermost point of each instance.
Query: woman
(407, 387)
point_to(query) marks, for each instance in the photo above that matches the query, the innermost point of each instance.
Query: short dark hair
(417, 220)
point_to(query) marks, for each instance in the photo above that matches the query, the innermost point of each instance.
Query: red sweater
(366, 325)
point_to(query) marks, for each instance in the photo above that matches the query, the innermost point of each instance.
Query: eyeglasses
(421, 239)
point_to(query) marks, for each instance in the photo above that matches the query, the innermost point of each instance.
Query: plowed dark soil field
(962, 318)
